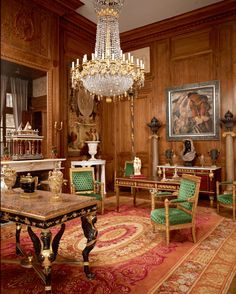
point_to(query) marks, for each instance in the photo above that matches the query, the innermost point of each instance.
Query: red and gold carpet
(130, 258)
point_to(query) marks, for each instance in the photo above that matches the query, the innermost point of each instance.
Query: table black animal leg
(90, 232)
(18, 247)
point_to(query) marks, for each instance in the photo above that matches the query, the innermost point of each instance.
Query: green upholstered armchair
(226, 195)
(182, 214)
(82, 182)
(129, 168)
(125, 171)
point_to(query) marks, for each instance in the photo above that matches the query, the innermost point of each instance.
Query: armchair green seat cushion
(176, 216)
(94, 195)
(183, 215)
(226, 196)
(162, 193)
(225, 199)
(82, 182)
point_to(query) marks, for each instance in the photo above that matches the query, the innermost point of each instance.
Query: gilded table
(43, 212)
(151, 184)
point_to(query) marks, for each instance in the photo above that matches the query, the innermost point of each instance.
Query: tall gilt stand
(154, 125)
(228, 122)
(229, 155)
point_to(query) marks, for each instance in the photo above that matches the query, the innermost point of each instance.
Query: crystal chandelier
(109, 73)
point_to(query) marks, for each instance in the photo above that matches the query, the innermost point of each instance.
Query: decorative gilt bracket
(58, 128)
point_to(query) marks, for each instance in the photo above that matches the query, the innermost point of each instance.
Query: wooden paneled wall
(196, 47)
(29, 36)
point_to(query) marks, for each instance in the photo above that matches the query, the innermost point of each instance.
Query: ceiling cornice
(81, 22)
(200, 17)
(60, 7)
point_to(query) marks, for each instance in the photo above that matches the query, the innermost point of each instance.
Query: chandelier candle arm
(109, 73)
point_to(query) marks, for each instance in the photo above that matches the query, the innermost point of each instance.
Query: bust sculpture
(137, 166)
(188, 153)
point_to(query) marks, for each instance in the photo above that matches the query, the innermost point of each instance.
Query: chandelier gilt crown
(109, 73)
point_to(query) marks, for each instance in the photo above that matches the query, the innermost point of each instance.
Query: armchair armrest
(178, 200)
(225, 183)
(155, 194)
(72, 188)
(99, 187)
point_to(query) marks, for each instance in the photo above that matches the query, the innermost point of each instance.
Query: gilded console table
(41, 212)
(150, 184)
(209, 175)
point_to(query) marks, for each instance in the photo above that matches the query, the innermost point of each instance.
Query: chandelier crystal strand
(109, 73)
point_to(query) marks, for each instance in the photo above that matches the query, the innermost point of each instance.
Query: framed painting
(83, 120)
(193, 111)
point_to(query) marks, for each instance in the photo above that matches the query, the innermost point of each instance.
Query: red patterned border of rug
(130, 258)
(209, 266)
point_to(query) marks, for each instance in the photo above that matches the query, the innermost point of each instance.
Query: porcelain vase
(92, 148)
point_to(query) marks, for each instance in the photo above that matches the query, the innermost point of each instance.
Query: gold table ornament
(9, 176)
(55, 181)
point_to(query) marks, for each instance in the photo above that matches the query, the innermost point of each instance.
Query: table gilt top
(157, 180)
(42, 207)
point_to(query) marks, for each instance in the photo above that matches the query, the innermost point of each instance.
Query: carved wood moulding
(17, 56)
(60, 7)
(27, 27)
(77, 20)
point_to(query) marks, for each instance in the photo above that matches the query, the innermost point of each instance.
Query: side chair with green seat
(183, 214)
(82, 182)
(226, 196)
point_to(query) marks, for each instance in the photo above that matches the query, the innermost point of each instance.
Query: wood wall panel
(225, 67)
(233, 48)
(193, 69)
(141, 119)
(27, 28)
(190, 44)
(197, 52)
(188, 57)
(123, 142)
(29, 36)
(226, 62)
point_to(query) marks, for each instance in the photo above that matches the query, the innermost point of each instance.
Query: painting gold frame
(193, 111)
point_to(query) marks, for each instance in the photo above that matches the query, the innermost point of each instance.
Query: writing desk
(44, 213)
(151, 184)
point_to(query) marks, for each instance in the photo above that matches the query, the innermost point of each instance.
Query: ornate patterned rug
(130, 258)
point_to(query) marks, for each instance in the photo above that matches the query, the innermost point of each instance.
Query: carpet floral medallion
(130, 258)
(121, 238)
